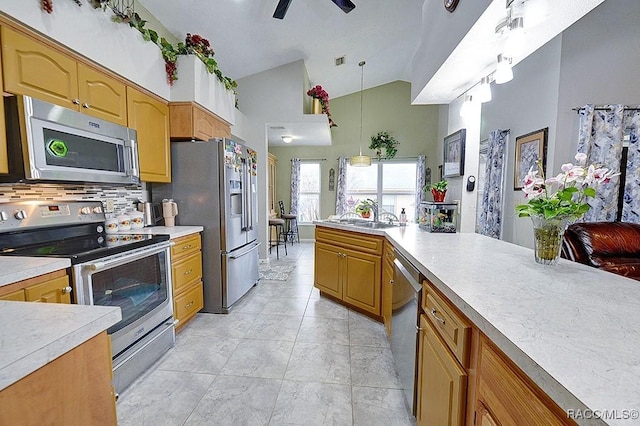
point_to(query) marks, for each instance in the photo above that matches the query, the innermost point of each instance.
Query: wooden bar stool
(278, 225)
(291, 224)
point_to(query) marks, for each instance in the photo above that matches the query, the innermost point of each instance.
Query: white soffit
(476, 55)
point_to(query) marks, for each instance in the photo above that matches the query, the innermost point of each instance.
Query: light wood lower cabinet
(348, 267)
(387, 285)
(150, 118)
(442, 382)
(53, 287)
(508, 396)
(186, 277)
(73, 389)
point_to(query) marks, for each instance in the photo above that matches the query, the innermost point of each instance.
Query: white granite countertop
(171, 231)
(16, 268)
(573, 329)
(33, 334)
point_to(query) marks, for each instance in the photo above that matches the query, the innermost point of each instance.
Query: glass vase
(547, 234)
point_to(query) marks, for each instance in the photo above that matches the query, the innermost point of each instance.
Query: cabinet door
(53, 291)
(188, 303)
(483, 416)
(17, 296)
(327, 270)
(442, 383)
(204, 124)
(34, 69)
(185, 271)
(150, 118)
(102, 96)
(387, 294)
(361, 280)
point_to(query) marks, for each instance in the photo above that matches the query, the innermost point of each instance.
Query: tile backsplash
(124, 197)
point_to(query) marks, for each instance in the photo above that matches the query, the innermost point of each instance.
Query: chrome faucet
(374, 207)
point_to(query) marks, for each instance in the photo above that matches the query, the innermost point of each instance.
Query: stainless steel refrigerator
(214, 184)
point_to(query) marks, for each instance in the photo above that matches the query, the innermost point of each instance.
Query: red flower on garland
(319, 93)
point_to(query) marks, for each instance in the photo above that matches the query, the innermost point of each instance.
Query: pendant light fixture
(360, 160)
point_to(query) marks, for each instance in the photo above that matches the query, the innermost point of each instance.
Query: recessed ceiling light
(287, 139)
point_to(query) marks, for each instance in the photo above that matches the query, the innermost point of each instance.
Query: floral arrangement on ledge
(319, 93)
(383, 140)
(194, 44)
(565, 195)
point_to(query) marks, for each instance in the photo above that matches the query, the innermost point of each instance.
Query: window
(392, 182)
(309, 201)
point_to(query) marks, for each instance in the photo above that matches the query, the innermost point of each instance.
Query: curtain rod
(309, 159)
(390, 159)
(578, 109)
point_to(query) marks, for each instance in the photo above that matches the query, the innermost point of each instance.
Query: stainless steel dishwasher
(407, 293)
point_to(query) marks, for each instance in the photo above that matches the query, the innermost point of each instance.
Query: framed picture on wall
(529, 149)
(454, 154)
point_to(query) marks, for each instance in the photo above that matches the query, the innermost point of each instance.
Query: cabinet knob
(66, 290)
(85, 105)
(187, 272)
(433, 314)
(188, 246)
(391, 281)
(76, 101)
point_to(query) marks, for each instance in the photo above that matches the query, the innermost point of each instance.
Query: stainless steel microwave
(47, 142)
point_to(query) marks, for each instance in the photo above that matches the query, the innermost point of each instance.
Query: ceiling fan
(281, 9)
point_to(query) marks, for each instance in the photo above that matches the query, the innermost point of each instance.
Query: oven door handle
(123, 258)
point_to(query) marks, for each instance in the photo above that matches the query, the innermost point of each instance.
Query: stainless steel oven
(139, 282)
(131, 272)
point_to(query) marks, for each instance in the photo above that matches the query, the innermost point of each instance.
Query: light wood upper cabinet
(191, 121)
(34, 69)
(150, 118)
(102, 96)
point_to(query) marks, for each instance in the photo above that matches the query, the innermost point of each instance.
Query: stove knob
(20, 215)
(3, 216)
(85, 210)
(99, 228)
(97, 210)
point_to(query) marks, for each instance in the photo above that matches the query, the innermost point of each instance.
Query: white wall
(594, 61)
(457, 185)
(523, 105)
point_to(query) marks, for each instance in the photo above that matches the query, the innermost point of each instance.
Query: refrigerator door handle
(243, 183)
(249, 197)
(239, 255)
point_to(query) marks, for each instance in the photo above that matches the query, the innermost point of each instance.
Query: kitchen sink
(375, 225)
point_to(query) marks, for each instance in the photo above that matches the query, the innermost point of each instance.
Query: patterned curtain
(490, 221)
(421, 181)
(631, 203)
(341, 186)
(600, 137)
(295, 185)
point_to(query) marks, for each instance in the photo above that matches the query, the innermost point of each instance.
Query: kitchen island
(570, 328)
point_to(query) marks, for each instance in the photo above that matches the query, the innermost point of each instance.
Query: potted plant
(364, 207)
(438, 190)
(383, 140)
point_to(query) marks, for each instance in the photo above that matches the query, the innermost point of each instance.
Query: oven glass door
(138, 283)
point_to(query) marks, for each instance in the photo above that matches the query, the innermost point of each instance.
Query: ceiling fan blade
(346, 5)
(281, 9)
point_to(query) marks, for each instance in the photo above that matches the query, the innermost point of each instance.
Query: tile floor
(283, 356)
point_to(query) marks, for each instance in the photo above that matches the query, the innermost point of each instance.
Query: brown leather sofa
(611, 246)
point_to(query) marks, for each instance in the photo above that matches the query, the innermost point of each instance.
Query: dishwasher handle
(410, 274)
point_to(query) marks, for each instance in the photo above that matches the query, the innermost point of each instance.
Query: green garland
(169, 52)
(383, 140)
